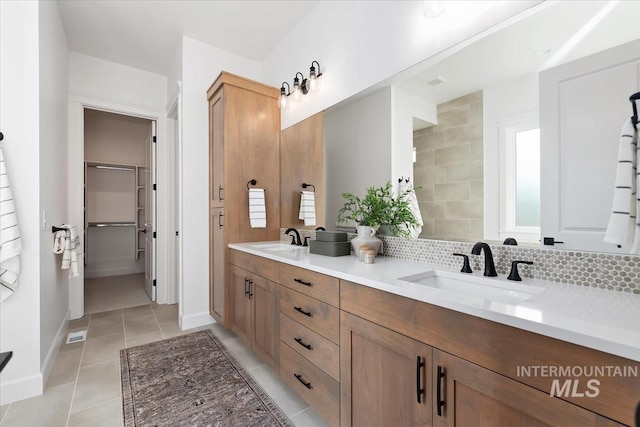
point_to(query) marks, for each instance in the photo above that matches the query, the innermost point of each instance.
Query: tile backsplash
(594, 269)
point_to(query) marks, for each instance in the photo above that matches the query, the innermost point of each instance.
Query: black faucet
(489, 266)
(295, 240)
(321, 229)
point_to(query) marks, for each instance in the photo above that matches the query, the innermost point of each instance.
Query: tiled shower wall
(449, 170)
(594, 269)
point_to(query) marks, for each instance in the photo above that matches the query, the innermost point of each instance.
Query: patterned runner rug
(192, 380)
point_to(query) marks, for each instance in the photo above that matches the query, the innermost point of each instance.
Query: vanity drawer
(316, 285)
(264, 267)
(315, 315)
(321, 391)
(312, 346)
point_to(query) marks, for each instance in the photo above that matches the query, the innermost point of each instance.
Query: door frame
(173, 210)
(78, 102)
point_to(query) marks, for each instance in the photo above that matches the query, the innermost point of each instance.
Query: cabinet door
(217, 264)
(474, 396)
(216, 150)
(385, 377)
(265, 306)
(241, 312)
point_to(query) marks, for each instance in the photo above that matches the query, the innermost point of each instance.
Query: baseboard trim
(195, 320)
(21, 388)
(47, 365)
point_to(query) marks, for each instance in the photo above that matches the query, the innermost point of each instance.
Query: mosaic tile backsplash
(594, 269)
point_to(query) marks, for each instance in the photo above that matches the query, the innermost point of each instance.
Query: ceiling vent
(435, 81)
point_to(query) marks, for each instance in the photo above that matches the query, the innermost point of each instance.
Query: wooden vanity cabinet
(479, 359)
(244, 144)
(386, 377)
(310, 338)
(254, 309)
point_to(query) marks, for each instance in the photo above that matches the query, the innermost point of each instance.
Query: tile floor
(110, 293)
(84, 385)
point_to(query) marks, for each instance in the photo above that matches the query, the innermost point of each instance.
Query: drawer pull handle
(300, 310)
(299, 378)
(302, 343)
(302, 282)
(419, 365)
(439, 402)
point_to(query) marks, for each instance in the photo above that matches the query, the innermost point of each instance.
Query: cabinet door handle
(220, 224)
(299, 378)
(302, 343)
(419, 391)
(250, 291)
(220, 190)
(246, 286)
(302, 282)
(300, 310)
(439, 402)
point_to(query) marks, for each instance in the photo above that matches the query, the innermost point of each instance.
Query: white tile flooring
(83, 388)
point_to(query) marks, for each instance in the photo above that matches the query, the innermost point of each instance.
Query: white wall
(404, 108)
(54, 283)
(501, 102)
(357, 138)
(19, 110)
(104, 85)
(360, 43)
(201, 66)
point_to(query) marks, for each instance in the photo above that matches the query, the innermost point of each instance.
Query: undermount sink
(277, 247)
(474, 286)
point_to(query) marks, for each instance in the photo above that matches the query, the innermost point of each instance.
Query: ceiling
(145, 34)
(558, 33)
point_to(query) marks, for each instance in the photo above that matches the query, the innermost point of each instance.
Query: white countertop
(600, 319)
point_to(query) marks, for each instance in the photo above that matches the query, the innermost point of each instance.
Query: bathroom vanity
(397, 343)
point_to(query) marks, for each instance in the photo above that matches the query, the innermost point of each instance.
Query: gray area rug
(192, 380)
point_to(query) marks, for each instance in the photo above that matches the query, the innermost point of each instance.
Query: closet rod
(112, 224)
(118, 168)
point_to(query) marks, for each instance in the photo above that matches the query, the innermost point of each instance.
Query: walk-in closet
(116, 208)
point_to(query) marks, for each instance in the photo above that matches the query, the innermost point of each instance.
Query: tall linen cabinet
(244, 145)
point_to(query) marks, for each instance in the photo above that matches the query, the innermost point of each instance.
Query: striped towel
(257, 210)
(10, 243)
(65, 242)
(308, 207)
(624, 226)
(406, 191)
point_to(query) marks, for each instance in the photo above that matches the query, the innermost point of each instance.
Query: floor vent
(76, 337)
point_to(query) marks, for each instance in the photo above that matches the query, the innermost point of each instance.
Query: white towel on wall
(257, 208)
(10, 242)
(65, 242)
(308, 207)
(415, 208)
(624, 224)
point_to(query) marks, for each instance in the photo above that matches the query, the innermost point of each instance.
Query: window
(520, 178)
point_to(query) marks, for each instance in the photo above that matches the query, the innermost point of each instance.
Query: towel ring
(252, 182)
(55, 229)
(305, 185)
(1, 136)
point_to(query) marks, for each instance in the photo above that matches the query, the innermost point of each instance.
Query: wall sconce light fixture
(301, 86)
(282, 101)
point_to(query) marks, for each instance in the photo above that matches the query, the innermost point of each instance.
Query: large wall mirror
(513, 135)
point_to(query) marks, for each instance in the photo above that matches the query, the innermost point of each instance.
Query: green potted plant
(378, 207)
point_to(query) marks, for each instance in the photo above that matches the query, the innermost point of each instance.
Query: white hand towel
(10, 242)
(624, 225)
(257, 209)
(308, 207)
(65, 242)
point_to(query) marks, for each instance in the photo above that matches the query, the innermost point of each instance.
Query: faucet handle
(293, 239)
(306, 240)
(466, 268)
(513, 275)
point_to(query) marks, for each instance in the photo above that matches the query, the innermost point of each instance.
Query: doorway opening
(119, 211)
